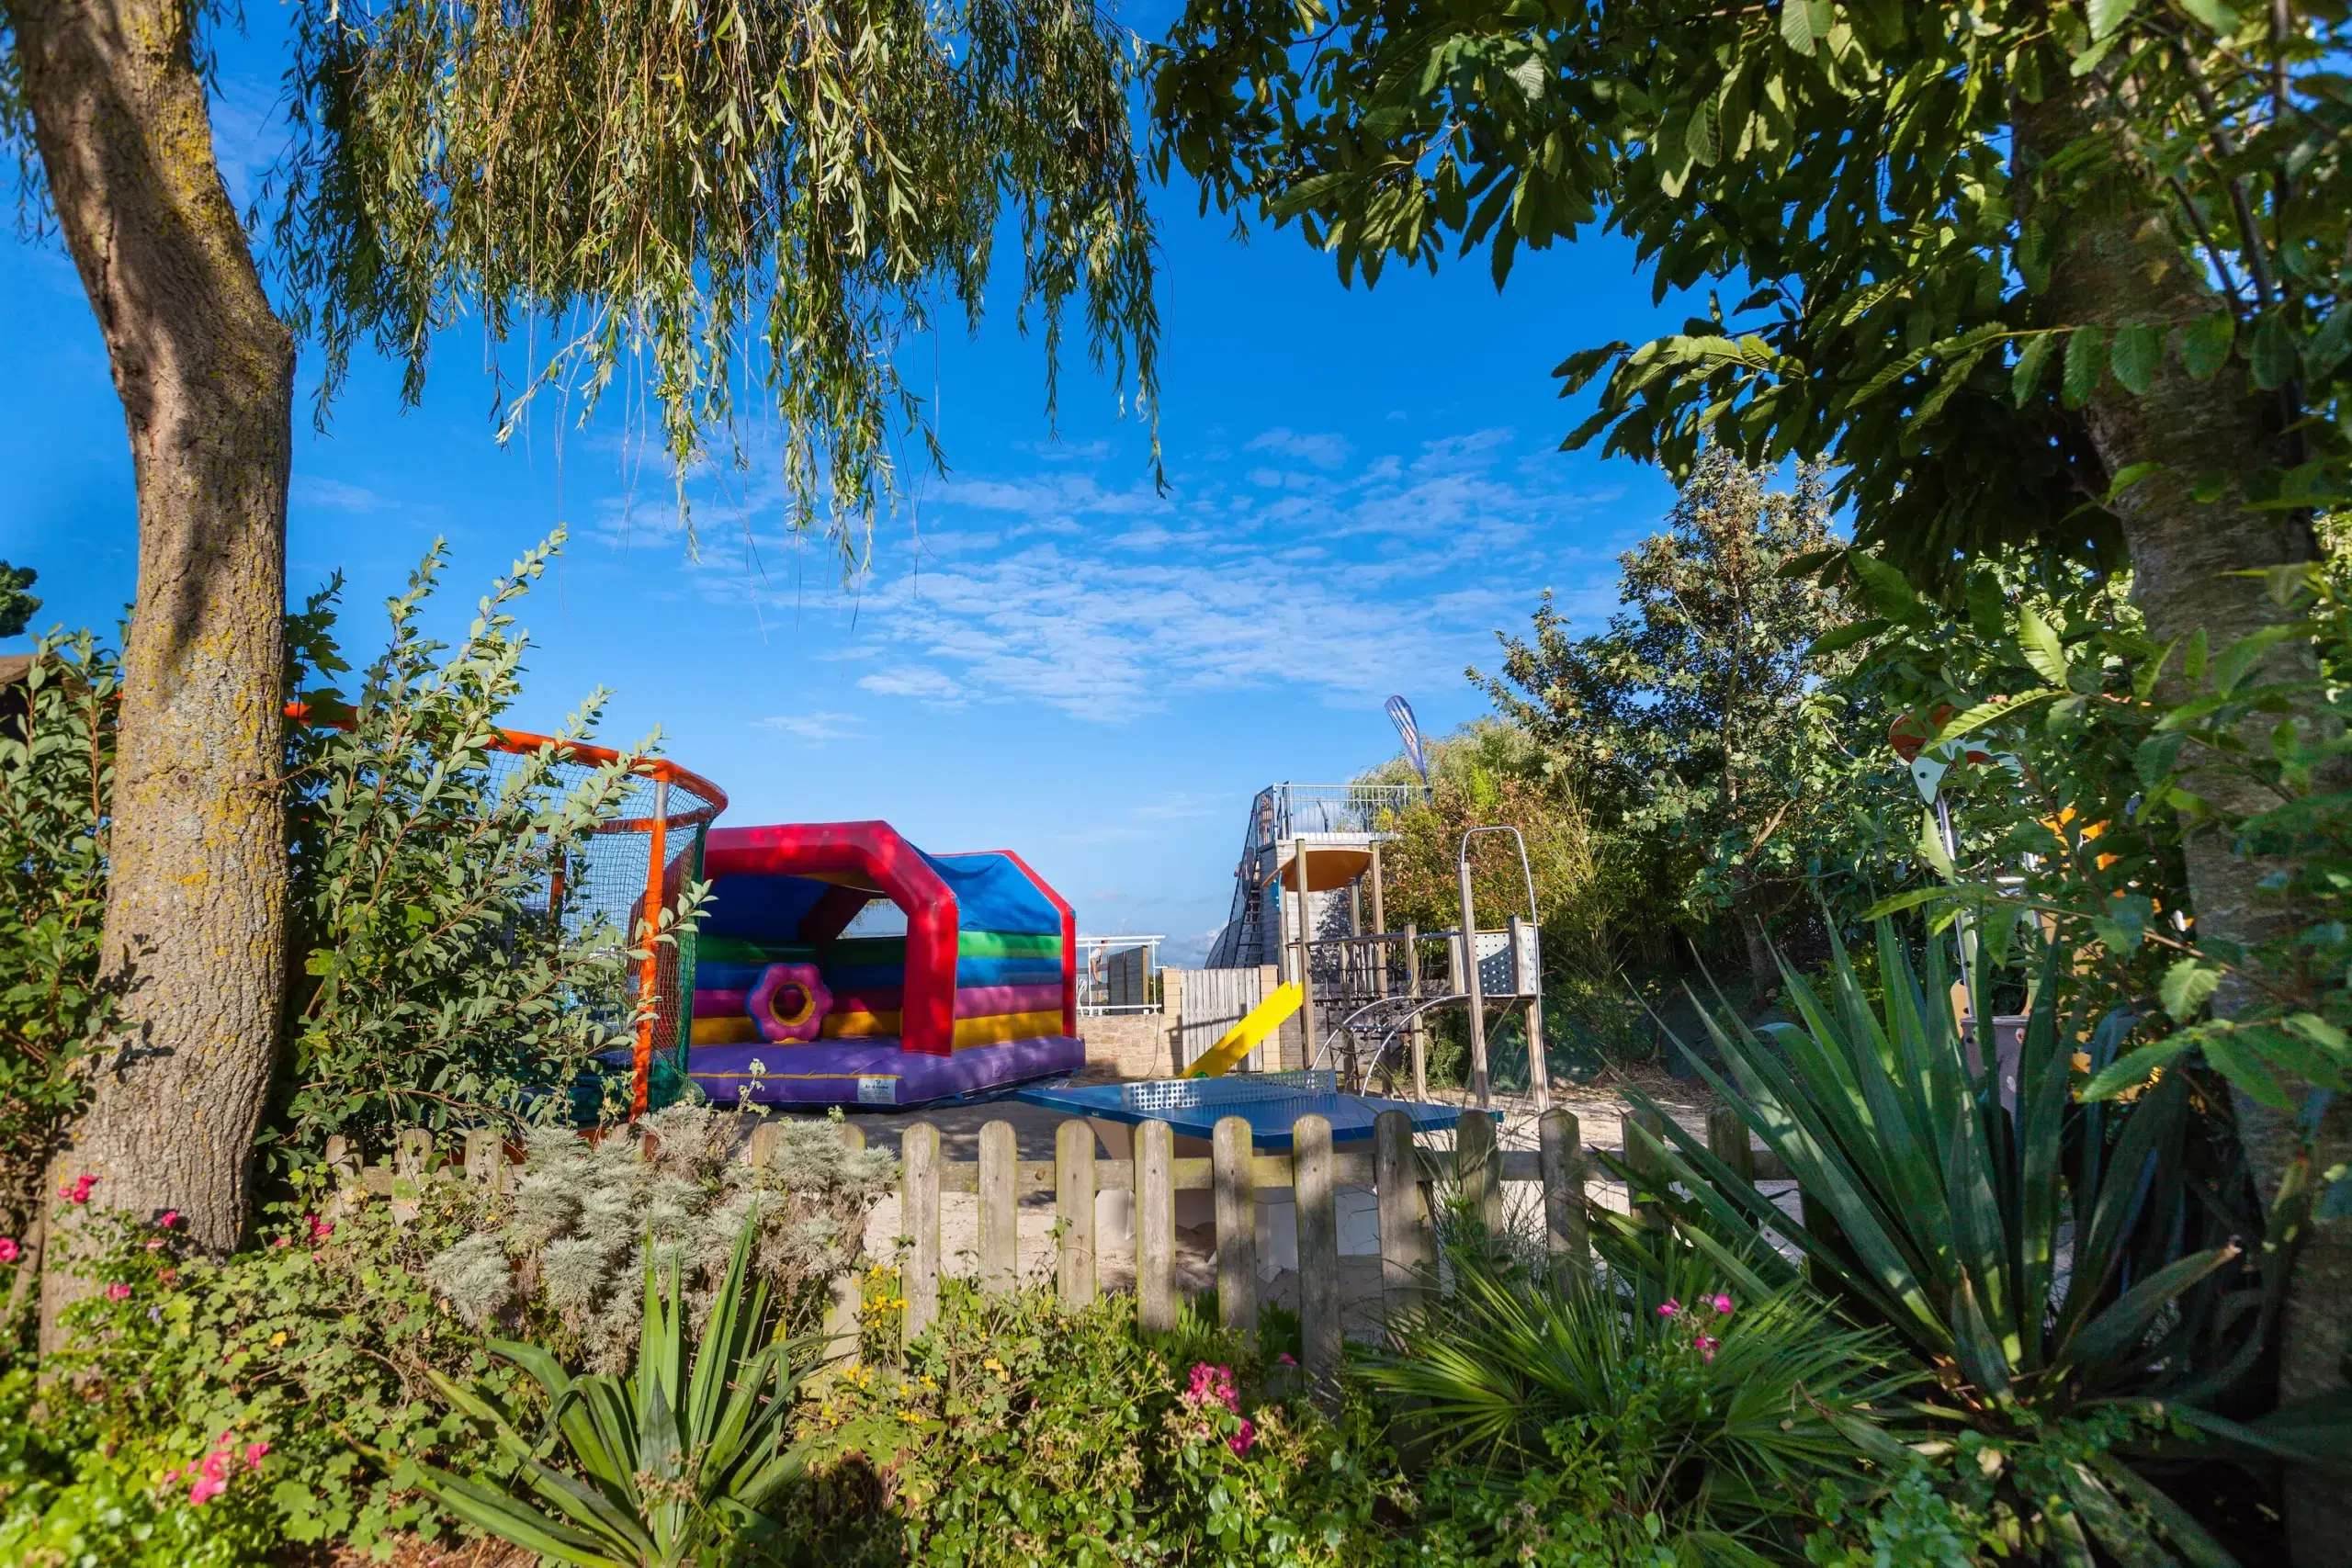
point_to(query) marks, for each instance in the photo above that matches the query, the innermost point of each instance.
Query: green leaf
(2136, 1067)
(2031, 364)
(1839, 638)
(1889, 592)
(2205, 343)
(2186, 987)
(2133, 354)
(2218, 15)
(1797, 28)
(2130, 476)
(2106, 15)
(2041, 647)
(1930, 847)
(2327, 347)
(2274, 354)
(2085, 365)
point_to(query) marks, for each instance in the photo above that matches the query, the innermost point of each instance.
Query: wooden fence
(1401, 1176)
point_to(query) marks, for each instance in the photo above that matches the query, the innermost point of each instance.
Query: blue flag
(1410, 733)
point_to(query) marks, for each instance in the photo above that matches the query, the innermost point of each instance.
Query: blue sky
(1046, 656)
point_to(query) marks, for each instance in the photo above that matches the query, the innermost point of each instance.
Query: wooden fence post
(1474, 1167)
(1156, 1225)
(1236, 1225)
(1408, 1238)
(485, 1158)
(1074, 1198)
(919, 1213)
(412, 1148)
(1727, 1141)
(1560, 1160)
(1648, 1170)
(765, 1138)
(999, 1211)
(1318, 1251)
(842, 1315)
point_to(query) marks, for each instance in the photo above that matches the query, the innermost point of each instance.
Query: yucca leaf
(2180, 1526)
(2110, 1522)
(2118, 1330)
(497, 1513)
(1979, 1356)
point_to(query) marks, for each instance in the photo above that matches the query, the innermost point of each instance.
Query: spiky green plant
(2044, 1260)
(1692, 1407)
(666, 1468)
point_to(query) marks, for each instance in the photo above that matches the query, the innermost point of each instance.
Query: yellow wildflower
(279, 1337)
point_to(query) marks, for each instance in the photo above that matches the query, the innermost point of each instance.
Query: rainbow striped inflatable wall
(980, 992)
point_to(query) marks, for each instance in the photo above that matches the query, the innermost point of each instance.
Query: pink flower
(1722, 1302)
(1214, 1385)
(1243, 1438)
(252, 1454)
(170, 1218)
(9, 1250)
(117, 1291)
(206, 1489)
(78, 1191)
(1286, 1358)
(1669, 1307)
(154, 1243)
(283, 1241)
(171, 1477)
(1705, 1345)
(320, 1229)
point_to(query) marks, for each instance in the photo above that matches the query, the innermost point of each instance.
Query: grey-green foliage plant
(1685, 1411)
(56, 767)
(2049, 1262)
(670, 1191)
(662, 1469)
(440, 983)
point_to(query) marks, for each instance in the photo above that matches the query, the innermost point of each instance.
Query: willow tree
(2066, 274)
(730, 200)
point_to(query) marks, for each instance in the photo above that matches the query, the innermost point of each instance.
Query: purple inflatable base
(875, 1072)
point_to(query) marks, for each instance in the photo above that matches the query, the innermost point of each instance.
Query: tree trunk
(2120, 263)
(196, 871)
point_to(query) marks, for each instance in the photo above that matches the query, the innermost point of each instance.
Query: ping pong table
(1270, 1102)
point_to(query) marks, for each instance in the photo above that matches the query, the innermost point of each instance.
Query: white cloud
(1078, 591)
(816, 728)
(334, 495)
(913, 681)
(1323, 451)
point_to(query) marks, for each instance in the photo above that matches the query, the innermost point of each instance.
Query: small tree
(739, 196)
(17, 607)
(1695, 726)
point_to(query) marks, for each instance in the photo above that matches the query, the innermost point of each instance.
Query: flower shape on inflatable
(789, 1003)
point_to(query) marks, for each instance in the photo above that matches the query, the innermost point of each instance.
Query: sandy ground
(1597, 1107)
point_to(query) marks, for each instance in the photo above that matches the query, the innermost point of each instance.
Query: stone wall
(1137, 1045)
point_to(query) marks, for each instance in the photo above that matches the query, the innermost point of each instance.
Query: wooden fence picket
(1156, 1225)
(918, 1216)
(1560, 1148)
(1318, 1252)
(1074, 1210)
(1000, 1209)
(1408, 1231)
(1236, 1225)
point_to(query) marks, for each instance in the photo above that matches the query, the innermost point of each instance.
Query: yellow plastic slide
(1245, 1037)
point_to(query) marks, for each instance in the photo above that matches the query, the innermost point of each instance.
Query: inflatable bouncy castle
(981, 993)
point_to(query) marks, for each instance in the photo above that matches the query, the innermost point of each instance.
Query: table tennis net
(1184, 1094)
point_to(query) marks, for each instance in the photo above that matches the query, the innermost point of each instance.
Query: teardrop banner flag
(1410, 733)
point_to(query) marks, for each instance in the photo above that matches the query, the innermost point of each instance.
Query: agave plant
(2043, 1260)
(1719, 1413)
(667, 1467)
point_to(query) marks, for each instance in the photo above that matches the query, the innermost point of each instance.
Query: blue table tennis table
(1270, 1102)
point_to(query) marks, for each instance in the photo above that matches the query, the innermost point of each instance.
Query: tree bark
(2119, 262)
(196, 873)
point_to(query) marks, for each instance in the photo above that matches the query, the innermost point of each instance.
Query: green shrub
(1652, 1405)
(2063, 1268)
(1019, 1433)
(320, 1342)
